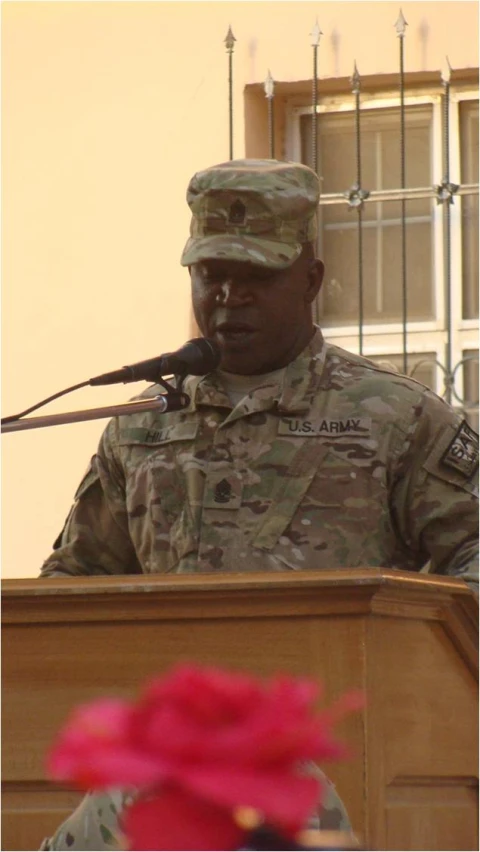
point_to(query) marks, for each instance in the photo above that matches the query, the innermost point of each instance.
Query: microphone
(196, 357)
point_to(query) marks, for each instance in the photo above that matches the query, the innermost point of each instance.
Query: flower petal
(283, 798)
(175, 820)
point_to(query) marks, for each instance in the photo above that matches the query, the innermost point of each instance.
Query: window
(442, 297)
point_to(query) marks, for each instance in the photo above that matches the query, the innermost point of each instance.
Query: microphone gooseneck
(196, 357)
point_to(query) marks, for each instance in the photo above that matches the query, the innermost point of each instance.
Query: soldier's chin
(241, 361)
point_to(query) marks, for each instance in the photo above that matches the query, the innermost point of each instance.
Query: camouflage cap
(260, 211)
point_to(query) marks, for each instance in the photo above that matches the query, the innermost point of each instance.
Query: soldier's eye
(213, 280)
(264, 274)
(213, 275)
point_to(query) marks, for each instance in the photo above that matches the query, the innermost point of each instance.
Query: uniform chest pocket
(325, 483)
(157, 463)
(348, 472)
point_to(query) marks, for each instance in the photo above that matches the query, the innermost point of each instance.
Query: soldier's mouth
(238, 333)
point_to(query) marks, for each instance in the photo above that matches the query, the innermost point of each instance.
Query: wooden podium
(409, 641)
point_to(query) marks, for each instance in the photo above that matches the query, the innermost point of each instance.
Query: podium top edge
(366, 578)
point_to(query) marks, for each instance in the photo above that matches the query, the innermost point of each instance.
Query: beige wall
(108, 108)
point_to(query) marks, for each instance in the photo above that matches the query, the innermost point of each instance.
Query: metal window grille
(420, 220)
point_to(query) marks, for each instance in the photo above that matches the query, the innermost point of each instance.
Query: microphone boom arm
(173, 401)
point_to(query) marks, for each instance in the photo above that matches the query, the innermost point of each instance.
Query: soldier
(294, 454)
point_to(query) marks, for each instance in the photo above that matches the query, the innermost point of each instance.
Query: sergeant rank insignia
(237, 213)
(223, 491)
(462, 453)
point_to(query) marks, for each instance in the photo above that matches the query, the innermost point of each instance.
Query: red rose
(222, 740)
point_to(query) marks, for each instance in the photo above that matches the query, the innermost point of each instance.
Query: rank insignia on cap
(462, 453)
(237, 213)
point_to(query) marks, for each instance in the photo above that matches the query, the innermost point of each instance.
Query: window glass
(469, 152)
(380, 149)
(420, 366)
(382, 270)
(381, 221)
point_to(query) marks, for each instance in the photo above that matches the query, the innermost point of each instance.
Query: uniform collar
(294, 396)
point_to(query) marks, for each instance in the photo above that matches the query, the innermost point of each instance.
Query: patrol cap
(261, 211)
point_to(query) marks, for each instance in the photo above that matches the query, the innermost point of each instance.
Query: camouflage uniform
(334, 463)
(345, 464)
(95, 823)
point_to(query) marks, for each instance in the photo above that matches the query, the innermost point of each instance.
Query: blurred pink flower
(212, 739)
(176, 820)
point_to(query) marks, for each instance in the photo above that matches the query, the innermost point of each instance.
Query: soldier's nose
(233, 293)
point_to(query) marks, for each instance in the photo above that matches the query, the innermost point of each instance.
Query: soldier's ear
(315, 278)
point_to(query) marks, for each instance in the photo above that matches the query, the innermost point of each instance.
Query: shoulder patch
(462, 453)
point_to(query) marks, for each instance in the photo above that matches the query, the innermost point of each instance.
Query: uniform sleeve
(331, 812)
(435, 492)
(92, 826)
(95, 538)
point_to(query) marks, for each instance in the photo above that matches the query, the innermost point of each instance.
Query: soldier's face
(260, 318)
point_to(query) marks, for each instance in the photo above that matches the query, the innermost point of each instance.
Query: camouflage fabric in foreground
(94, 824)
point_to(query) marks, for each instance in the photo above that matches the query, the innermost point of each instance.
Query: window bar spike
(446, 71)
(229, 44)
(400, 27)
(269, 86)
(230, 40)
(355, 79)
(315, 35)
